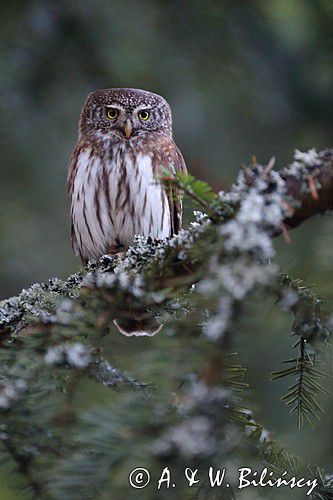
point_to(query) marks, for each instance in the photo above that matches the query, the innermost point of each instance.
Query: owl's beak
(128, 129)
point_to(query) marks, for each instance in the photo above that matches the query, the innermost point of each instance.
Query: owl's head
(125, 113)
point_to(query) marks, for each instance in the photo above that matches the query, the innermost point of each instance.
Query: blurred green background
(242, 78)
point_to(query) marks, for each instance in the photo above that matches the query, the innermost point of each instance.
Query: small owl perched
(125, 141)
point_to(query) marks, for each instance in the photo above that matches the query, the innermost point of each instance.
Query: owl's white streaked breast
(114, 199)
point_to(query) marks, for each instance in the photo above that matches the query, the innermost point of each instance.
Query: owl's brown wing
(72, 171)
(72, 167)
(168, 156)
(175, 196)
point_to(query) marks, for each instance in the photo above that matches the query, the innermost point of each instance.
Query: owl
(125, 142)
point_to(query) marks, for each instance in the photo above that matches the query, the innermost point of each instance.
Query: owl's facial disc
(127, 121)
(124, 114)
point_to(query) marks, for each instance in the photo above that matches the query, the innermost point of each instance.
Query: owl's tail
(139, 325)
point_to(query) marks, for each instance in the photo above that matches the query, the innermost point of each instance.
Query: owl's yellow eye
(112, 114)
(144, 115)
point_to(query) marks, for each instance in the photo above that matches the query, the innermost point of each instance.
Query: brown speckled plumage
(113, 169)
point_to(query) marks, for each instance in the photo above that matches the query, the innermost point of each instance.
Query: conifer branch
(303, 395)
(197, 282)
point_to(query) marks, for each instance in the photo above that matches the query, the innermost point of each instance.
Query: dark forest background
(242, 78)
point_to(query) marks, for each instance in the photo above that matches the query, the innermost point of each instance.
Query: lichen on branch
(197, 283)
